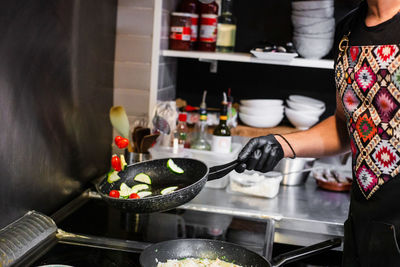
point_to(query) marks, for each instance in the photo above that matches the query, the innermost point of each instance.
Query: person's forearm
(327, 138)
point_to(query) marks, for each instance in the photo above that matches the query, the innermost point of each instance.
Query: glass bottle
(208, 26)
(192, 7)
(226, 28)
(200, 141)
(222, 139)
(183, 130)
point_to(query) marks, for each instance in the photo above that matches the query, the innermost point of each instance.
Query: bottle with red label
(180, 31)
(192, 7)
(208, 26)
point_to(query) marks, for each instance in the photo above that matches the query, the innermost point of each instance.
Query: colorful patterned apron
(368, 83)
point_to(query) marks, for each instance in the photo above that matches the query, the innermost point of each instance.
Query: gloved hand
(261, 154)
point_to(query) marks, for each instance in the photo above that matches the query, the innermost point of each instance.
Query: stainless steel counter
(303, 215)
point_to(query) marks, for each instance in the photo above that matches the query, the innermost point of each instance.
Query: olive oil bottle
(222, 139)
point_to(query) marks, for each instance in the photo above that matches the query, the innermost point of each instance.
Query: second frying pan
(191, 182)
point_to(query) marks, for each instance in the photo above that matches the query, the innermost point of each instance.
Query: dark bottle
(226, 28)
(222, 139)
(208, 26)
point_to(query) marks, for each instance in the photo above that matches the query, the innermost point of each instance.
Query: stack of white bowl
(303, 112)
(314, 27)
(261, 113)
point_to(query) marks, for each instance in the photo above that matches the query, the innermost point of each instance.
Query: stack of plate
(314, 27)
(303, 112)
(261, 113)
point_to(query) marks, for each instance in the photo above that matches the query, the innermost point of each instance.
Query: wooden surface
(243, 130)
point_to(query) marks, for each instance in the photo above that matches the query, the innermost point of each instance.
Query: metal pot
(295, 171)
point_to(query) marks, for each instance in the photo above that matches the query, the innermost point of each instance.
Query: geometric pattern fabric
(368, 82)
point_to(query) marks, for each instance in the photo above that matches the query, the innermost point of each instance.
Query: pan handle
(305, 252)
(220, 171)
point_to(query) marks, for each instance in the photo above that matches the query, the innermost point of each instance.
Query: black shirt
(387, 32)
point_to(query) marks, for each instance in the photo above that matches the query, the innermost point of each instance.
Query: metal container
(295, 171)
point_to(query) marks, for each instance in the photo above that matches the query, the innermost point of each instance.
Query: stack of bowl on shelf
(303, 112)
(261, 113)
(314, 27)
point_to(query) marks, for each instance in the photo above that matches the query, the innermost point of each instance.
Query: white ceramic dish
(305, 109)
(260, 111)
(274, 55)
(261, 102)
(315, 13)
(313, 48)
(300, 120)
(307, 5)
(299, 21)
(324, 28)
(265, 121)
(306, 100)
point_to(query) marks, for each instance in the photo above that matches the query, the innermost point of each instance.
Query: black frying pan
(196, 174)
(212, 249)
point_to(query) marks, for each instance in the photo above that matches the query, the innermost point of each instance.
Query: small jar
(180, 31)
(208, 32)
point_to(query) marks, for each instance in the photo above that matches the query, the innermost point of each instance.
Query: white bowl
(261, 111)
(306, 100)
(299, 21)
(325, 26)
(307, 5)
(299, 120)
(265, 121)
(314, 48)
(304, 108)
(324, 35)
(315, 13)
(261, 102)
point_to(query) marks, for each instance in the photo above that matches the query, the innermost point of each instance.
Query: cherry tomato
(123, 143)
(134, 195)
(114, 193)
(116, 163)
(117, 139)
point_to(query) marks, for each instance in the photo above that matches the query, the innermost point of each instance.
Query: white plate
(276, 56)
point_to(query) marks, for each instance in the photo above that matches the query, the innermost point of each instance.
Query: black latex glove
(261, 154)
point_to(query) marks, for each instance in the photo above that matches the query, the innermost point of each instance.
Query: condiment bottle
(222, 139)
(200, 141)
(192, 7)
(208, 26)
(226, 28)
(180, 31)
(183, 130)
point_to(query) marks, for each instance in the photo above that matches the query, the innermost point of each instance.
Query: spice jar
(192, 6)
(208, 32)
(180, 32)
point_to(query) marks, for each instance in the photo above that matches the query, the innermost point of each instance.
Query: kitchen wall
(135, 56)
(56, 88)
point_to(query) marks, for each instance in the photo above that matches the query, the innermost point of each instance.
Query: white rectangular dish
(274, 56)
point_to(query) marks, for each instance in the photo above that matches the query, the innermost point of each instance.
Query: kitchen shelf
(248, 58)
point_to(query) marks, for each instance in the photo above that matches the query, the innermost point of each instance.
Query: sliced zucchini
(168, 190)
(123, 162)
(143, 194)
(139, 187)
(173, 167)
(124, 190)
(143, 178)
(113, 177)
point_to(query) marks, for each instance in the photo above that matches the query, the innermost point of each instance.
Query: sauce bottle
(222, 139)
(208, 26)
(192, 7)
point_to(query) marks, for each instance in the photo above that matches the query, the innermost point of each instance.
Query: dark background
(259, 21)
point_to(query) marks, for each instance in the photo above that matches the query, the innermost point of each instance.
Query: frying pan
(196, 174)
(212, 249)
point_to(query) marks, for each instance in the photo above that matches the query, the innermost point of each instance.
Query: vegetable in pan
(143, 187)
(196, 262)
